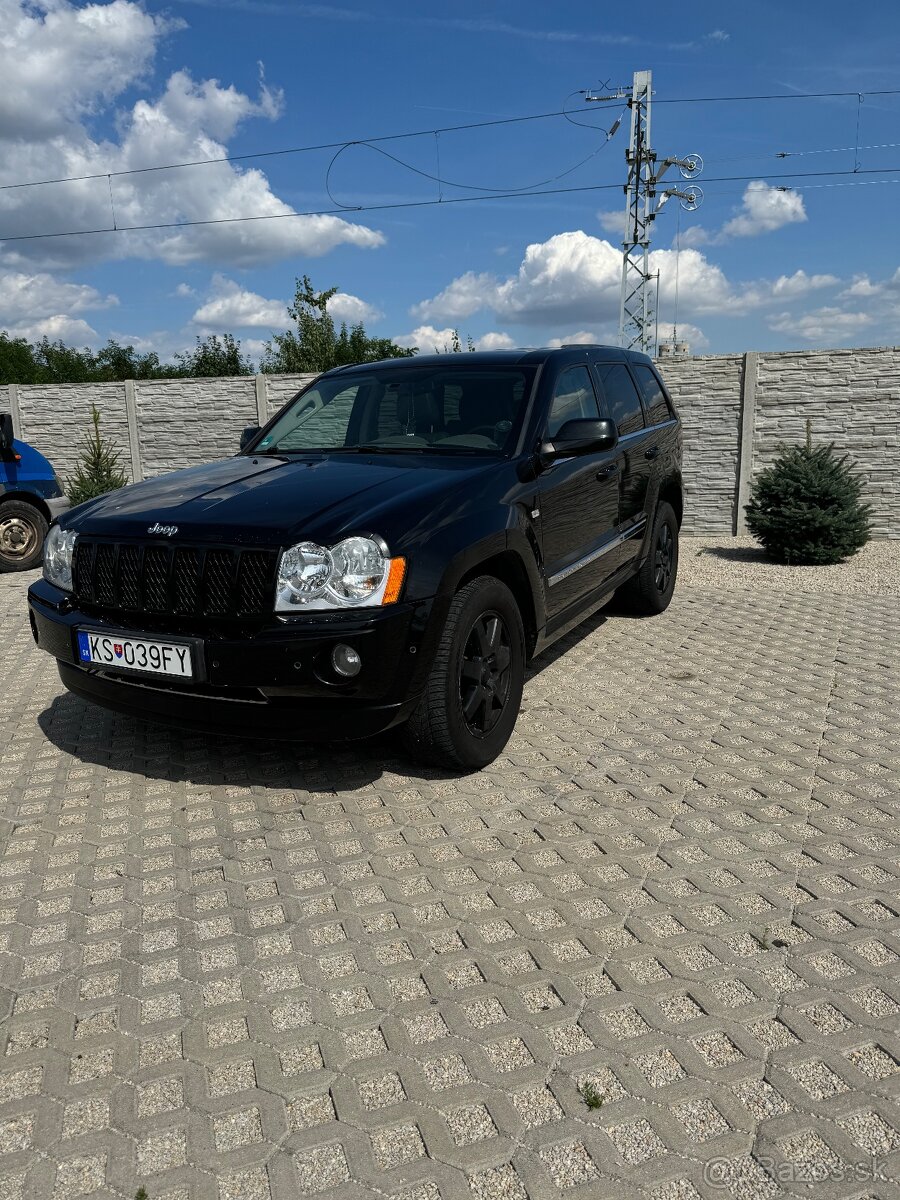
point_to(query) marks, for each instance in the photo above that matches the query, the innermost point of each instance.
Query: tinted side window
(573, 397)
(653, 395)
(622, 400)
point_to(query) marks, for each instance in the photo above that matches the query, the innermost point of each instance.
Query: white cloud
(37, 305)
(428, 339)
(25, 296)
(573, 280)
(862, 287)
(495, 341)
(612, 222)
(692, 334)
(787, 287)
(824, 325)
(62, 62)
(185, 289)
(464, 296)
(254, 347)
(232, 307)
(344, 307)
(764, 209)
(59, 327)
(72, 63)
(583, 337)
(569, 278)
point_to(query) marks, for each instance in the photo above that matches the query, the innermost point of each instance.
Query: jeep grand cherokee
(388, 551)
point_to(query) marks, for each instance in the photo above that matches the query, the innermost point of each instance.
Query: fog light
(346, 661)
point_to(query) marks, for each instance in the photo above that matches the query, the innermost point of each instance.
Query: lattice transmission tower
(644, 199)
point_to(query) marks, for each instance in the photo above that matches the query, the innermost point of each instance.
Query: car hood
(276, 501)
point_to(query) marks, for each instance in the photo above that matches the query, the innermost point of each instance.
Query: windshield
(458, 410)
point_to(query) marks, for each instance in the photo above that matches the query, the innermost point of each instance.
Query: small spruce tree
(99, 470)
(806, 507)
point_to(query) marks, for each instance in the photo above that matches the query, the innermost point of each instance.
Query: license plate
(135, 654)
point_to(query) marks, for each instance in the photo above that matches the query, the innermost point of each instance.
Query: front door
(579, 503)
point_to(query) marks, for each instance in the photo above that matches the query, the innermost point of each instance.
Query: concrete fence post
(262, 400)
(134, 441)
(749, 376)
(15, 411)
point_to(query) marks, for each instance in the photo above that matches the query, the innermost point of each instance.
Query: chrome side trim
(595, 554)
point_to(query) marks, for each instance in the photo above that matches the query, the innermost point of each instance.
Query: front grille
(185, 581)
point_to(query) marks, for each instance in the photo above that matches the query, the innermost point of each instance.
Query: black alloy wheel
(484, 674)
(471, 699)
(663, 555)
(650, 590)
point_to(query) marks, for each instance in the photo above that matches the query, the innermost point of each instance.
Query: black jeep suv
(388, 551)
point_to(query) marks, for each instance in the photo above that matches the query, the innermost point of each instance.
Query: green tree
(214, 356)
(806, 507)
(315, 345)
(99, 469)
(58, 363)
(113, 363)
(17, 363)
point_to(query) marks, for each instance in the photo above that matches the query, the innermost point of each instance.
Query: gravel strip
(738, 563)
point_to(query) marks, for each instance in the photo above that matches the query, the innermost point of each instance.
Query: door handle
(609, 469)
(652, 453)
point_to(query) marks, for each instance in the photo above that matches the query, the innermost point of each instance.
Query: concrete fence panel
(56, 419)
(707, 393)
(187, 422)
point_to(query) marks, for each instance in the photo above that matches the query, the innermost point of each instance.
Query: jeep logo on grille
(165, 530)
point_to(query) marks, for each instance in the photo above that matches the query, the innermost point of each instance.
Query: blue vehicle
(31, 496)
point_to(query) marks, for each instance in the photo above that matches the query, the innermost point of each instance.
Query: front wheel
(474, 691)
(650, 591)
(22, 533)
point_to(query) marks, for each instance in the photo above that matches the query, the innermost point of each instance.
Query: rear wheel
(22, 532)
(650, 591)
(474, 691)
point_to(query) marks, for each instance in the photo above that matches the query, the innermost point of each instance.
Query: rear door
(635, 450)
(579, 501)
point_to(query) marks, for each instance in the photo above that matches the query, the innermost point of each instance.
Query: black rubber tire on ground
(439, 732)
(19, 520)
(650, 591)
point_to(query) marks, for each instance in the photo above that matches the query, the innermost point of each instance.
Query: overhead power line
(777, 96)
(390, 137)
(287, 150)
(322, 212)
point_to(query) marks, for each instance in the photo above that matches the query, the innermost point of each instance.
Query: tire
(22, 532)
(650, 591)
(471, 701)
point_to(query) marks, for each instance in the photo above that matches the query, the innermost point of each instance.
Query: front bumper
(273, 681)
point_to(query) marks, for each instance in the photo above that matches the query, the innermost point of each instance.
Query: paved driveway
(650, 953)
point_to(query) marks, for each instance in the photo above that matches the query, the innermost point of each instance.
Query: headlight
(58, 550)
(356, 573)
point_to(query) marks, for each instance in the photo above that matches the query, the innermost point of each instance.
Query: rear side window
(622, 400)
(573, 398)
(653, 396)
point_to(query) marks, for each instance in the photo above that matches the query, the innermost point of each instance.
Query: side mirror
(248, 434)
(583, 435)
(6, 433)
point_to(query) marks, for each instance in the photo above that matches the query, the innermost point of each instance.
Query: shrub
(99, 470)
(806, 507)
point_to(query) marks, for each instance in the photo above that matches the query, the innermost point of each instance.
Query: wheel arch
(27, 498)
(508, 567)
(671, 492)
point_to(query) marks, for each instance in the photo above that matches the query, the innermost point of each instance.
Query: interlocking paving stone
(244, 970)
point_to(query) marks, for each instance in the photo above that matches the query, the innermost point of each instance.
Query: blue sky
(116, 87)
